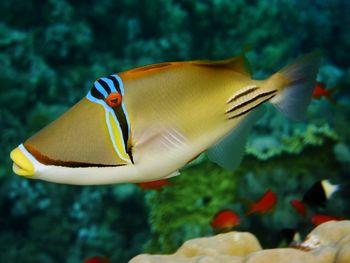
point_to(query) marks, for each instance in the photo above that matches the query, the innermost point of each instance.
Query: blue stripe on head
(110, 84)
(99, 87)
(96, 100)
(110, 81)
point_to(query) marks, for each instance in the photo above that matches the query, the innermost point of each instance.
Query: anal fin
(176, 173)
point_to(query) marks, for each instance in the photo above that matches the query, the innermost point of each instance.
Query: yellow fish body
(146, 123)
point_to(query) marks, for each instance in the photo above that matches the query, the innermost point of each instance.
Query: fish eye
(114, 99)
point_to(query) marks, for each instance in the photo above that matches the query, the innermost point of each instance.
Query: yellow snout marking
(21, 165)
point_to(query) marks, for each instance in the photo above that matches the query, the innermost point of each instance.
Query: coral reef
(328, 243)
(204, 188)
(184, 209)
(264, 147)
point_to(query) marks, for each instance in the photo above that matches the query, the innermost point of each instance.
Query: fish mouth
(21, 164)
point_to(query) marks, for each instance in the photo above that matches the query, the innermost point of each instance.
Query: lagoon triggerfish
(144, 124)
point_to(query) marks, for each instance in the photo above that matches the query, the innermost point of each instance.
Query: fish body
(265, 204)
(146, 123)
(225, 219)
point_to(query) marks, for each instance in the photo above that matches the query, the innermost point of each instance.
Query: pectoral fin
(229, 152)
(161, 137)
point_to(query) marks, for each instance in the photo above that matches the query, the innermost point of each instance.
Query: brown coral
(328, 243)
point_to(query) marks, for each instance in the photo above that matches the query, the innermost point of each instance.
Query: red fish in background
(265, 204)
(317, 195)
(321, 218)
(299, 207)
(225, 219)
(321, 91)
(154, 185)
(97, 259)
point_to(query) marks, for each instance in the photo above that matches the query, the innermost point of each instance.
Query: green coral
(294, 143)
(184, 209)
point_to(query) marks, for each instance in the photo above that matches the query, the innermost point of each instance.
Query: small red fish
(321, 218)
(225, 219)
(321, 91)
(97, 259)
(265, 204)
(299, 207)
(154, 185)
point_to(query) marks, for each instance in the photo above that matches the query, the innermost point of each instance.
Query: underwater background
(52, 51)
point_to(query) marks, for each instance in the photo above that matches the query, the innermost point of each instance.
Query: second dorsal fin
(238, 63)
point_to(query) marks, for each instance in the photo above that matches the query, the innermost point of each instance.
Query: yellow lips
(21, 165)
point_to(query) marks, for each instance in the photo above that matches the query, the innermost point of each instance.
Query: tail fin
(300, 78)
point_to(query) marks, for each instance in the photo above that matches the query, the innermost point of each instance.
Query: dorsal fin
(238, 63)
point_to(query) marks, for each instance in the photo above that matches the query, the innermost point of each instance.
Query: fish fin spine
(295, 83)
(237, 63)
